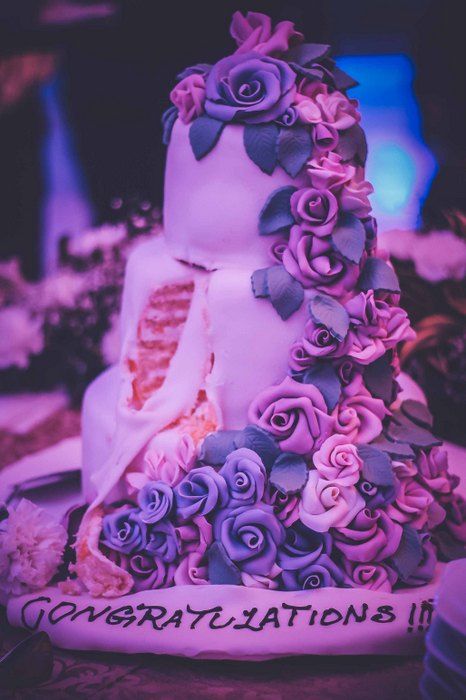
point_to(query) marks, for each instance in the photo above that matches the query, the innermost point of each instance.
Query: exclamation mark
(411, 617)
(426, 614)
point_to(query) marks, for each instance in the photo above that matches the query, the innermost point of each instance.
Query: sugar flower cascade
(333, 482)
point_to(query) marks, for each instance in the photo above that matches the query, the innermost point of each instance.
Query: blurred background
(83, 85)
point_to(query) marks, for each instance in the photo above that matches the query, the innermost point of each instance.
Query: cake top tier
(273, 113)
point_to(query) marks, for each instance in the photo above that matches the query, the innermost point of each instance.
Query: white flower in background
(21, 335)
(104, 237)
(61, 289)
(31, 548)
(111, 341)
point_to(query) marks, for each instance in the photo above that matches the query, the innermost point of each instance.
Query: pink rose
(360, 417)
(316, 342)
(308, 110)
(254, 32)
(374, 577)
(350, 376)
(354, 195)
(366, 335)
(295, 414)
(335, 108)
(338, 461)
(433, 469)
(325, 504)
(314, 262)
(315, 210)
(398, 327)
(194, 539)
(328, 172)
(169, 465)
(189, 97)
(411, 505)
(325, 137)
(371, 536)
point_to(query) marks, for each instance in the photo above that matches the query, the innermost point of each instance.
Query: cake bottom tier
(233, 622)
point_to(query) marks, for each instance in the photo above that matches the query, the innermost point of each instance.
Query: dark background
(116, 72)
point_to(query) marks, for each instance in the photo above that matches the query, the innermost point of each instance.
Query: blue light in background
(399, 165)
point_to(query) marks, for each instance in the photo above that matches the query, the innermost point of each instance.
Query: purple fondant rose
(189, 97)
(360, 417)
(315, 210)
(251, 537)
(426, 567)
(335, 108)
(366, 338)
(325, 504)
(373, 576)
(155, 500)
(124, 531)
(317, 342)
(302, 547)
(244, 474)
(254, 31)
(411, 505)
(370, 536)
(321, 573)
(288, 118)
(314, 262)
(163, 541)
(249, 88)
(200, 492)
(433, 470)
(338, 461)
(376, 496)
(354, 195)
(296, 415)
(325, 137)
(285, 506)
(150, 573)
(328, 172)
(350, 376)
(195, 538)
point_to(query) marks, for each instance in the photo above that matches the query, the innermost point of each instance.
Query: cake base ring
(233, 622)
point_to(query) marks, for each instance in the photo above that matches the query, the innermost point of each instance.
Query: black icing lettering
(93, 615)
(38, 620)
(270, 618)
(352, 614)
(149, 617)
(126, 619)
(53, 619)
(175, 619)
(246, 625)
(425, 617)
(411, 617)
(294, 611)
(201, 613)
(328, 612)
(312, 617)
(384, 614)
(216, 616)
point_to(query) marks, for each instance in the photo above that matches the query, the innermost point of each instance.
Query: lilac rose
(425, 570)
(302, 547)
(251, 537)
(124, 531)
(328, 172)
(245, 477)
(317, 342)
(295, 414)
(194, 537)
(201, 491)
(376, 496)
(163, 541)
(373, 576)
(325, 504)
(254, 31)
(285, 506)
(325, 137)
(315, 263)
(249, 88)
(150, 573)
(433, 469)
(155, 500)
(370, 536)
(321, 573)
(413, 504)
(360, 417)
(337, 460)
(315, 210)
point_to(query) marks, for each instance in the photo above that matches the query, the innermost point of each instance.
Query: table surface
(82, 675)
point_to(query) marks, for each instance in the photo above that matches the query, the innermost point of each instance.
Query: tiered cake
(249, 454)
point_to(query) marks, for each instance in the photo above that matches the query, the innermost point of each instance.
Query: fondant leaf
(323, 375)
(401, 429)
(168, 119)
(378, 378)
(204, 134)
(286, 293)
(408, 556)
(276, 216)
(222, 571)
(217, 446)
(418, 413)
(261, 442)
(331, 314)
(349, 237)
(379, 276)
(448, 547)
(401, 450)
(307, 53)
(342, 80)
(314, 72)
(294, 148)
(289, 473)
(352, 142)
(259, 284)
(199, 68)
(260, 142)
(377, 466)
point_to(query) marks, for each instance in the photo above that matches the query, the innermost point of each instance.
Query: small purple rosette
(155, 500)
(245, 476)
(201, 491)
(321, 573)
(124, 531)
(163, 541)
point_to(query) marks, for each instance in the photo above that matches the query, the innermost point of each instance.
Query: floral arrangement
(331, 483)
